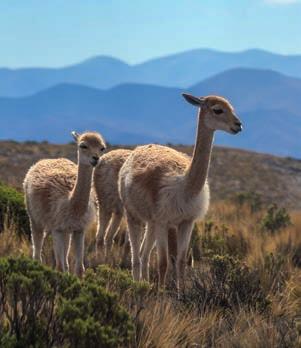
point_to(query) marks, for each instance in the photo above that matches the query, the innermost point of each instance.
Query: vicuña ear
(75, 135)
(193, 100)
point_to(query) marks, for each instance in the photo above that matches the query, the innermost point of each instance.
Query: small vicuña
(59, 200)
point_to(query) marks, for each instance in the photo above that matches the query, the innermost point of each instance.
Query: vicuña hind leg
(161, 235)
(135, 230)
(104, 217)
(37, 237)
(172, 251)
(183, 240)
(111, 230)
(145, 250)
(78, 239)
(61, 246)
(126, 247)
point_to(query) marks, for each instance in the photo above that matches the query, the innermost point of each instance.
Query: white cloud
(282, 2)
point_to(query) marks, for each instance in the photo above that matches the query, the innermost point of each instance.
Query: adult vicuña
(58, 200)
(106, 186)
(166, 190)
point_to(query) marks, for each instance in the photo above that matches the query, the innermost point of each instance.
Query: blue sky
(61, 32)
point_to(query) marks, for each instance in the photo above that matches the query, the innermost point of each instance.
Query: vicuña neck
(198, 170)
(80, 195)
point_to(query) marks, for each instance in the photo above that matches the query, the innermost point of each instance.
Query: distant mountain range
(179, 70)
(266, 101)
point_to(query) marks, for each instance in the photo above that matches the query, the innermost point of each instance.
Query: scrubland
(243, 283)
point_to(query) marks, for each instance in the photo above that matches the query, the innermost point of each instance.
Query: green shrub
(40, 307)
(219, 240)
(252, 199)
(12, 210)
(92, 317)
(118, 281)
(275, 219)
(228, 283)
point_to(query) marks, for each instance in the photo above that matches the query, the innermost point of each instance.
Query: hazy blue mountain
(102, 72)
(187, 68)
(178, 70)
(251, 89)
(267, 103)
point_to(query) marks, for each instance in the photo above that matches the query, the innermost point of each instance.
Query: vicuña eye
(102, 149)
(218, 111)
(83, 146)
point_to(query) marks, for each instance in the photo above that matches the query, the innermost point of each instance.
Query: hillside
(276, 179)
(266, 101)
(178, 70)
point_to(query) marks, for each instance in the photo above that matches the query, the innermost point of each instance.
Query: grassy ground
(244, 289)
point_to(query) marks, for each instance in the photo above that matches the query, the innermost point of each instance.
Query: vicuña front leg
(37, 236)
(79, 241)
(183, 239)
(61, 246)
(145, 250)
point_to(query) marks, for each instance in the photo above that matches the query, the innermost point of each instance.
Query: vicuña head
(218, 113)
(91, 147)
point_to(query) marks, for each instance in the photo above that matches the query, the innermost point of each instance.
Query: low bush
(252, 199)
(220, 240)
(40, 307)
(13, 211)
(275, 219)
(226, 283)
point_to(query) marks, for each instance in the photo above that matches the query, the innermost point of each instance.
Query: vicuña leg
(183, 240)
(61, 246)
(126, 246)
(172, 251)
(78, 240)
(104, 217)
(135, 230)
(162, 250)
(145, 250)
(111, 230)
(37, 237)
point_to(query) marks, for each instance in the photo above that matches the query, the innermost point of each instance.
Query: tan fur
(59, 200)
(106, 187)
(149, 174)
(165, 190)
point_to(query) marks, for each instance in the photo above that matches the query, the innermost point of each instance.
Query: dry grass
(203, 318)
(163, 321)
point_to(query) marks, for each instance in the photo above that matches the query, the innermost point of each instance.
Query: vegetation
(43, 308)
(242, 291)
(253, 199)
(275, 219)
(12, 210)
